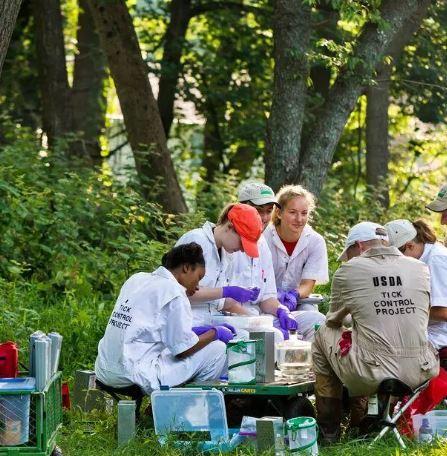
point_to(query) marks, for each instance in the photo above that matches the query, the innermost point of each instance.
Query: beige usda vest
(388, 297)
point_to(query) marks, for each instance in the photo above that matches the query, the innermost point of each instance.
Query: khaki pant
(366, 365)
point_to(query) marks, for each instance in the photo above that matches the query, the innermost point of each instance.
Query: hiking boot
(328, 419)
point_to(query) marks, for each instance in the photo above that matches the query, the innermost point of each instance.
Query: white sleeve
(438, 281)
(316, 267)
(176, 332)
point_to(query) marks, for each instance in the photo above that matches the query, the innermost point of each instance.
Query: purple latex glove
(199, 330)
(240, 294)
(286, 321)
(231, 328)
(223, 334)
(290, 299)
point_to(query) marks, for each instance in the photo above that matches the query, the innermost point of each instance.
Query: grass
(94, 434)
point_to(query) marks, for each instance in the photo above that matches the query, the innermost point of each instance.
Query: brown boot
(358, 407)
(329, 418)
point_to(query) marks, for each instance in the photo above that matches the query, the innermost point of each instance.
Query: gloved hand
(289, 298)
(286, 321)
(231, 328)
(240, 294)
(199, 330)
(223, 334)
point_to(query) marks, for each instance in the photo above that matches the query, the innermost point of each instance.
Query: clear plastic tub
(15, 410)
(437, 420)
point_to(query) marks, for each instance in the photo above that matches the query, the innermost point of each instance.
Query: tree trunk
(291, 33)
(171, 62)
(55, 92)
(377, 152)
(372, 44)
(89, 102)
(9, 9)
(153, 161)
(377, 145)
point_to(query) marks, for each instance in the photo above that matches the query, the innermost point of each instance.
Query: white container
(302, 435)
(243, 324)
(241, 361)
(437, 420)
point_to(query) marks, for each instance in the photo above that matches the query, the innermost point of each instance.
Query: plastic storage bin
(437, 420)
(15, 410)
(190, 415)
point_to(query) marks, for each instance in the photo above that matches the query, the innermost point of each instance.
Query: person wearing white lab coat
(238, 229)
(299, 255)
(149, 339)
(418, 240)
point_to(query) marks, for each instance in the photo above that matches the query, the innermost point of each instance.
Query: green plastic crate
(45, 420)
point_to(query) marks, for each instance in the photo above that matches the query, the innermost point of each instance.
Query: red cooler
(9, 360)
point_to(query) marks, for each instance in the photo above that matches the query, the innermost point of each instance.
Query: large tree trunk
(9, 9)
(171, 62)
(291, 34)
(377, 152)
(378, 99)
(55, 92)
(153, 161)
(89, 103)
(372, 45)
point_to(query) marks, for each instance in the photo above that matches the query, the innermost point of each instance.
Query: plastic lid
(18, 384)
(300, 422)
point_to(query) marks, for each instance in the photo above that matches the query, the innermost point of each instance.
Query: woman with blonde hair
(238, 228)
(419, 241)
(299, 254)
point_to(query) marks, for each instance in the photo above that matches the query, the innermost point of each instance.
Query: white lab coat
(151, 324)
(435, 257)
(258, 272)
(308, 259)
(218, 270)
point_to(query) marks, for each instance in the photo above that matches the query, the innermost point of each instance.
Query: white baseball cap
(363, 231)
(400, 232)
(439, 204)
(257, 193)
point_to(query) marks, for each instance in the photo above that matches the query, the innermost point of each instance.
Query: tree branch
(220, 5)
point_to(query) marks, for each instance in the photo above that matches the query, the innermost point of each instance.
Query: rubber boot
(329, 419)
(358, 408)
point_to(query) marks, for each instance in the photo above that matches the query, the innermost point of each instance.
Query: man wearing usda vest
(387, 296)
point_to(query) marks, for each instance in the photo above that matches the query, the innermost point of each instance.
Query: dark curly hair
(191, 254)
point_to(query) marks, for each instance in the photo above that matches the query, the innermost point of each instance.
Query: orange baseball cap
(248, 225)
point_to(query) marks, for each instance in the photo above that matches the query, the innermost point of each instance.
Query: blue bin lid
(18, 384)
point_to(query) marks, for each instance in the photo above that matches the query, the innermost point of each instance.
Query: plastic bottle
(425, 431)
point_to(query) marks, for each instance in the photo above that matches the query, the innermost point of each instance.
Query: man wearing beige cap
(439, 204)
(387, 296)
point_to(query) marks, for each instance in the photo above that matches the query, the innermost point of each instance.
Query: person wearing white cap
(260, 272)
(418, 240)
(439, 204)
(387, 296)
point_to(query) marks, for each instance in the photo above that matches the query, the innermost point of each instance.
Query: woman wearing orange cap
(238, 229)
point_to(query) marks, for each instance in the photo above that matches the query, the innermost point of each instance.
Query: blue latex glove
(286, 321)
(240, 294)
(223, 334)
(199, 330)
(290, 299)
